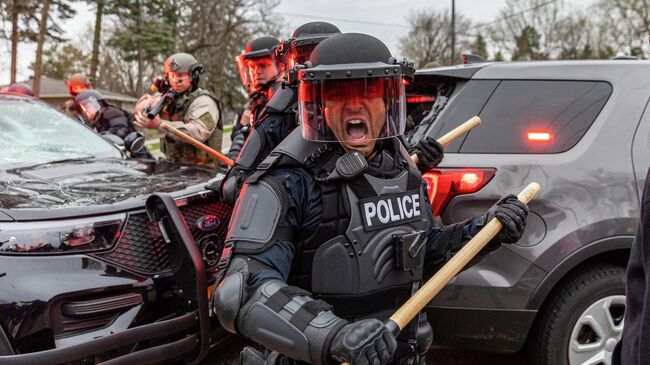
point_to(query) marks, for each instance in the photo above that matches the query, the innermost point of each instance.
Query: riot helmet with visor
(297, 49)
(90, 102)
(352, 91)
(257, 64)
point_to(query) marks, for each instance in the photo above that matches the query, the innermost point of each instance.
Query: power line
(508, 16)
(318, 17)
(381, 24)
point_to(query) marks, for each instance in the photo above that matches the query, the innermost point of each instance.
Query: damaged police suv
(582, 130)
(85, 276)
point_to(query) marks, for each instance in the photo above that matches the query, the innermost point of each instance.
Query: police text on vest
(391, 209)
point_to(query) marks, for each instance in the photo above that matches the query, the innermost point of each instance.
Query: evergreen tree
(479, 47)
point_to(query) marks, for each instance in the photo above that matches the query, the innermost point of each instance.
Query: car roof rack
(469, 58)
(625, 57)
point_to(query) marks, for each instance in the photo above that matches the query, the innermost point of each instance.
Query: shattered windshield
(34, 133)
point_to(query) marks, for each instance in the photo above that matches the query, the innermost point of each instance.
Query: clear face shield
(90, 106)
(355, 112)
(258, 71)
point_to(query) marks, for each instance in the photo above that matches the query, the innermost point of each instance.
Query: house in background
(55, 92)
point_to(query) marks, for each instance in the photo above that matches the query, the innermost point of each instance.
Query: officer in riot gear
(260, 71)
(277, 118)
(192, 110)
(261, 76)
(332, 231)
(109, 119)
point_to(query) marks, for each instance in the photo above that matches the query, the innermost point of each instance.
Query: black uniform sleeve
(115, 121)
(254, 299)
(444, 241)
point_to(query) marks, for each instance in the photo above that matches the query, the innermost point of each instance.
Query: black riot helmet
(90, 102)
(352, 91)
(297, 49)
(258, 65)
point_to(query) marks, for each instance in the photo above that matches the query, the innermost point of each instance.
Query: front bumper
(179, 328)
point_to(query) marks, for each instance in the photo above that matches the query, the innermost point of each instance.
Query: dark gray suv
(580, 129)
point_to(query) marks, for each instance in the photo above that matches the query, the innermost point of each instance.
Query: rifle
(162, 86)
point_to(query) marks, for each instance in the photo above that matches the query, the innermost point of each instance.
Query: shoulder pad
(251, 149)
(276, 86)
(281, 101)
(292, 151)
(258, 211)
(300, 149)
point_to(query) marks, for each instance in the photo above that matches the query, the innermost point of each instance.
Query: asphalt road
(230, 356)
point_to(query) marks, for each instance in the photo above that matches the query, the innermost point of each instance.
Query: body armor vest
(368, 250)
(184, 152)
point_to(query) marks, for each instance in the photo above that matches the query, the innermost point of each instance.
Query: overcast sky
(384, 19)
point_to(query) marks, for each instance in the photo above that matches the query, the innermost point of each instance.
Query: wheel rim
(597, 331)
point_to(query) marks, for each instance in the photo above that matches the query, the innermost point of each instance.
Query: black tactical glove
(366, 342)
(512, 213)
(429, 153)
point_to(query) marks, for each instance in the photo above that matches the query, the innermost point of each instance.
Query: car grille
(141, 248)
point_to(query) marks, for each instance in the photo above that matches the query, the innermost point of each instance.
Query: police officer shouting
(332, 231)
(193, 110)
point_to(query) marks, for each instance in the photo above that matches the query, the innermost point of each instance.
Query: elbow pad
(283, 318)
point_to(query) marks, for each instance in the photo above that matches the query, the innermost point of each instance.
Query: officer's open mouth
(356, 128)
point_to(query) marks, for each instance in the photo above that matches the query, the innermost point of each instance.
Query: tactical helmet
(257, 51)
(184, 62)
(20, 88)
(89, 102)
(352, 90)
(297, 49)
(77, 83)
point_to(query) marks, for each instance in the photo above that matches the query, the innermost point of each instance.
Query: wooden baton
(433, 286)
(194, 142)
(454, 133)
(407, 312)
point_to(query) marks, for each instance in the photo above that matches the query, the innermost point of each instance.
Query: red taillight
(444, 184)
(540, 136)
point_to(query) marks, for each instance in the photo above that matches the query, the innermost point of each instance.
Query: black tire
(548, 343)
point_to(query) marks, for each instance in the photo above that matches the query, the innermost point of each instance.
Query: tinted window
(559, 113)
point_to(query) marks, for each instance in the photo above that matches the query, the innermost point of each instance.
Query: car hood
(86, 183)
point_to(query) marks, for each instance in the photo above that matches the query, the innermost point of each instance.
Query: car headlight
(61, 237)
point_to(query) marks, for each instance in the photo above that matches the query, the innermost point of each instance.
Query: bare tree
(39, 47)
(575, 37)
(518, 18)
(216, 31)
(94, 60)
(428, 41)
(627, 23)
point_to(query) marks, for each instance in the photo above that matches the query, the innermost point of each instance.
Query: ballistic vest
(184, 152)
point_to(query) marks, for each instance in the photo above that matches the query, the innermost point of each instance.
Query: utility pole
(453, 31)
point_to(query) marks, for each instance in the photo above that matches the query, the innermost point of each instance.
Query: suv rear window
(558, 112)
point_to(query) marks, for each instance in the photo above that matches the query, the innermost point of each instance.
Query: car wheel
(582, 320)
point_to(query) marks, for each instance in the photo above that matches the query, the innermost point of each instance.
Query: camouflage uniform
(198, 115)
